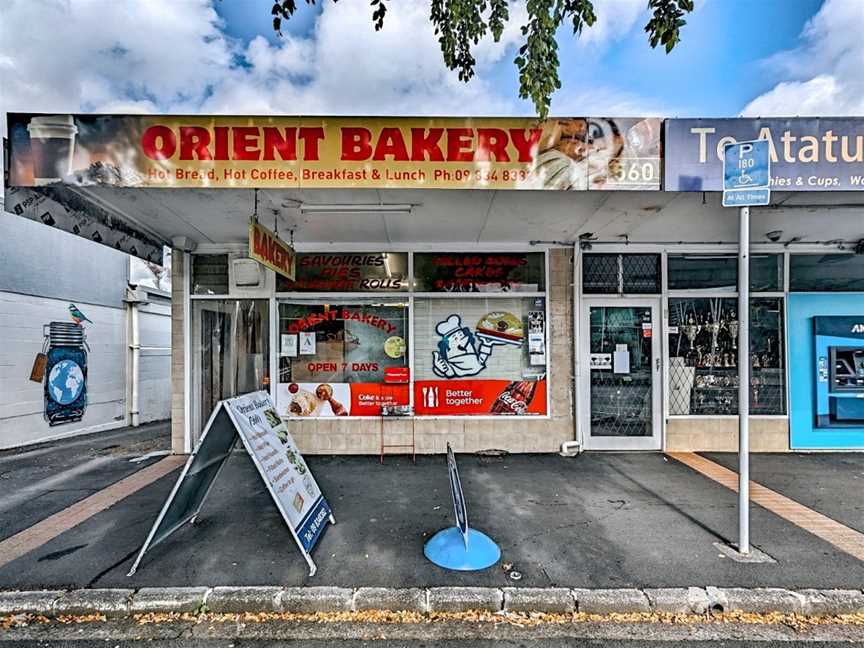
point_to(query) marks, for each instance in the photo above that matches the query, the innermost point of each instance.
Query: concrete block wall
(154, 393)
(22, 401)
(178, 364)
(721, 434)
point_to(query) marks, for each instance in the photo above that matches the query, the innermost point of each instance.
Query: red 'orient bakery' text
(358, 144)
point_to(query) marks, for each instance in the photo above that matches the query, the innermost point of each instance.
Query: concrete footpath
(614, 530)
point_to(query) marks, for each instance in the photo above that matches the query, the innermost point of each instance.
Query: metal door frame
(655, 441)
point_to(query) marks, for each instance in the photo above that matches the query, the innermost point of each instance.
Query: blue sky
(717, 69)
(756, 57)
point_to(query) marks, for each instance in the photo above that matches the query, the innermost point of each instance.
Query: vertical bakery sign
(269, 250)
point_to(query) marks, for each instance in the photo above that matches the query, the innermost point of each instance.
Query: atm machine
(840, 369)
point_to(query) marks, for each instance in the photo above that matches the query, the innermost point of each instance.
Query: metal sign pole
(744, 381)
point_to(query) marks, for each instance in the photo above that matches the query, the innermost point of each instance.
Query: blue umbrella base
(447, 549)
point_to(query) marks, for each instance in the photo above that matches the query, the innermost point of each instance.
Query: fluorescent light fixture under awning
(354, 208)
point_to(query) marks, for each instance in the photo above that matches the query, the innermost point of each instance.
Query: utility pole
(744, 380)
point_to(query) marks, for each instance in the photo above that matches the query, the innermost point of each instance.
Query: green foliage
(461, 24)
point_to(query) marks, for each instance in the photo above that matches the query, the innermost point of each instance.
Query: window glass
(479, 272)
(632, 274)
(767, 357)
(209, 274)
(826, 272)
(640, 274)
(342, 359)
(601, 274)
(354, 272)
(703, 271)
(703, 348)
(766, 272)
(480, 356)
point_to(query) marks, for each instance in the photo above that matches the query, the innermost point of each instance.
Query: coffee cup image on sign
(52, 145)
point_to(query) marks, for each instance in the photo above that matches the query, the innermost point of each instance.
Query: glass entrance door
(621, 351)
(230, 353)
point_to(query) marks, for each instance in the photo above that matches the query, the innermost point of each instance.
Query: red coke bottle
(515, 398)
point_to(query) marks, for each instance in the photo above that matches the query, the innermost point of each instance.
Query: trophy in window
(691, 330)
(714, 328)
(755, 383)
(733, 330)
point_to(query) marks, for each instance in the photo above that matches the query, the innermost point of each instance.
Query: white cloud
(348, 68)
(824, 75)
(608, 102)
(173, 56)
(87, 54)
(615, 19)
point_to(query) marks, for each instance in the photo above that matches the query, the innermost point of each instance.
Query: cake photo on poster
(312, 400)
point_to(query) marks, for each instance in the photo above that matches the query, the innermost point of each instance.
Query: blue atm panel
(839, 347)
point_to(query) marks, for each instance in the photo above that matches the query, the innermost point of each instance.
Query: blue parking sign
(747, 174)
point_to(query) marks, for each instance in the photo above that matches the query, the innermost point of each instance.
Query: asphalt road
(438, 643)
(473, 635)
(39, 481)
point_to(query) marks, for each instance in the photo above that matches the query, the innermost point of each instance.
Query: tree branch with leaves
(460, 25)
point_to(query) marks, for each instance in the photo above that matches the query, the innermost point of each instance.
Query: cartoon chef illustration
(460, 353)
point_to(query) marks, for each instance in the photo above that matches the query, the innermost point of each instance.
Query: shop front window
(766, 273)
(703, 271)
(826, 273)
(372, 272)
(210, 274)
(611, 274)
(703, 349)
(480, 356)
(479, 272)
(342, 358)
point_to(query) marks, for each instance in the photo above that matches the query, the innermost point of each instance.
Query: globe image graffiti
(65, 382)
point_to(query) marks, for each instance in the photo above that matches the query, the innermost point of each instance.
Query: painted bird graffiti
(77, 315)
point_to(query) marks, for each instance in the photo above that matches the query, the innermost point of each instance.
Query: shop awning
(140, 220)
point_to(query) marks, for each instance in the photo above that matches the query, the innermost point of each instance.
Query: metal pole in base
(744, 381)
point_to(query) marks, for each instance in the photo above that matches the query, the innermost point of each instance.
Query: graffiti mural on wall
(66, 369)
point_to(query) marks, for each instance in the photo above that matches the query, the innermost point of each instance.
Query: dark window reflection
(826, 272)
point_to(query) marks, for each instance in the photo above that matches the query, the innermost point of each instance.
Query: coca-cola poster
(480, 397)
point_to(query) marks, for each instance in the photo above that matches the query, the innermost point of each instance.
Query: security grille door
(621, 351)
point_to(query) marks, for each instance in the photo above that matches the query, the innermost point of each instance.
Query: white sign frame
(226, 407)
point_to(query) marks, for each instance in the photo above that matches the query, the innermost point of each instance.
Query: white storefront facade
(492, 284)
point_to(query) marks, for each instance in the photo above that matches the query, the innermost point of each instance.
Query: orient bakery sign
(214, 152)
(268, 249)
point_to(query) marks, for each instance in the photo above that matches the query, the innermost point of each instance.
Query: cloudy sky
(753, 57)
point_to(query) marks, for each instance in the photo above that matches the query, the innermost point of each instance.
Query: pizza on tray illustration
(501, 327)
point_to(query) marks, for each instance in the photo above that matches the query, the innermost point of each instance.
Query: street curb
(611, 601)
(461, 599)
(114, 603)
(110, 602)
